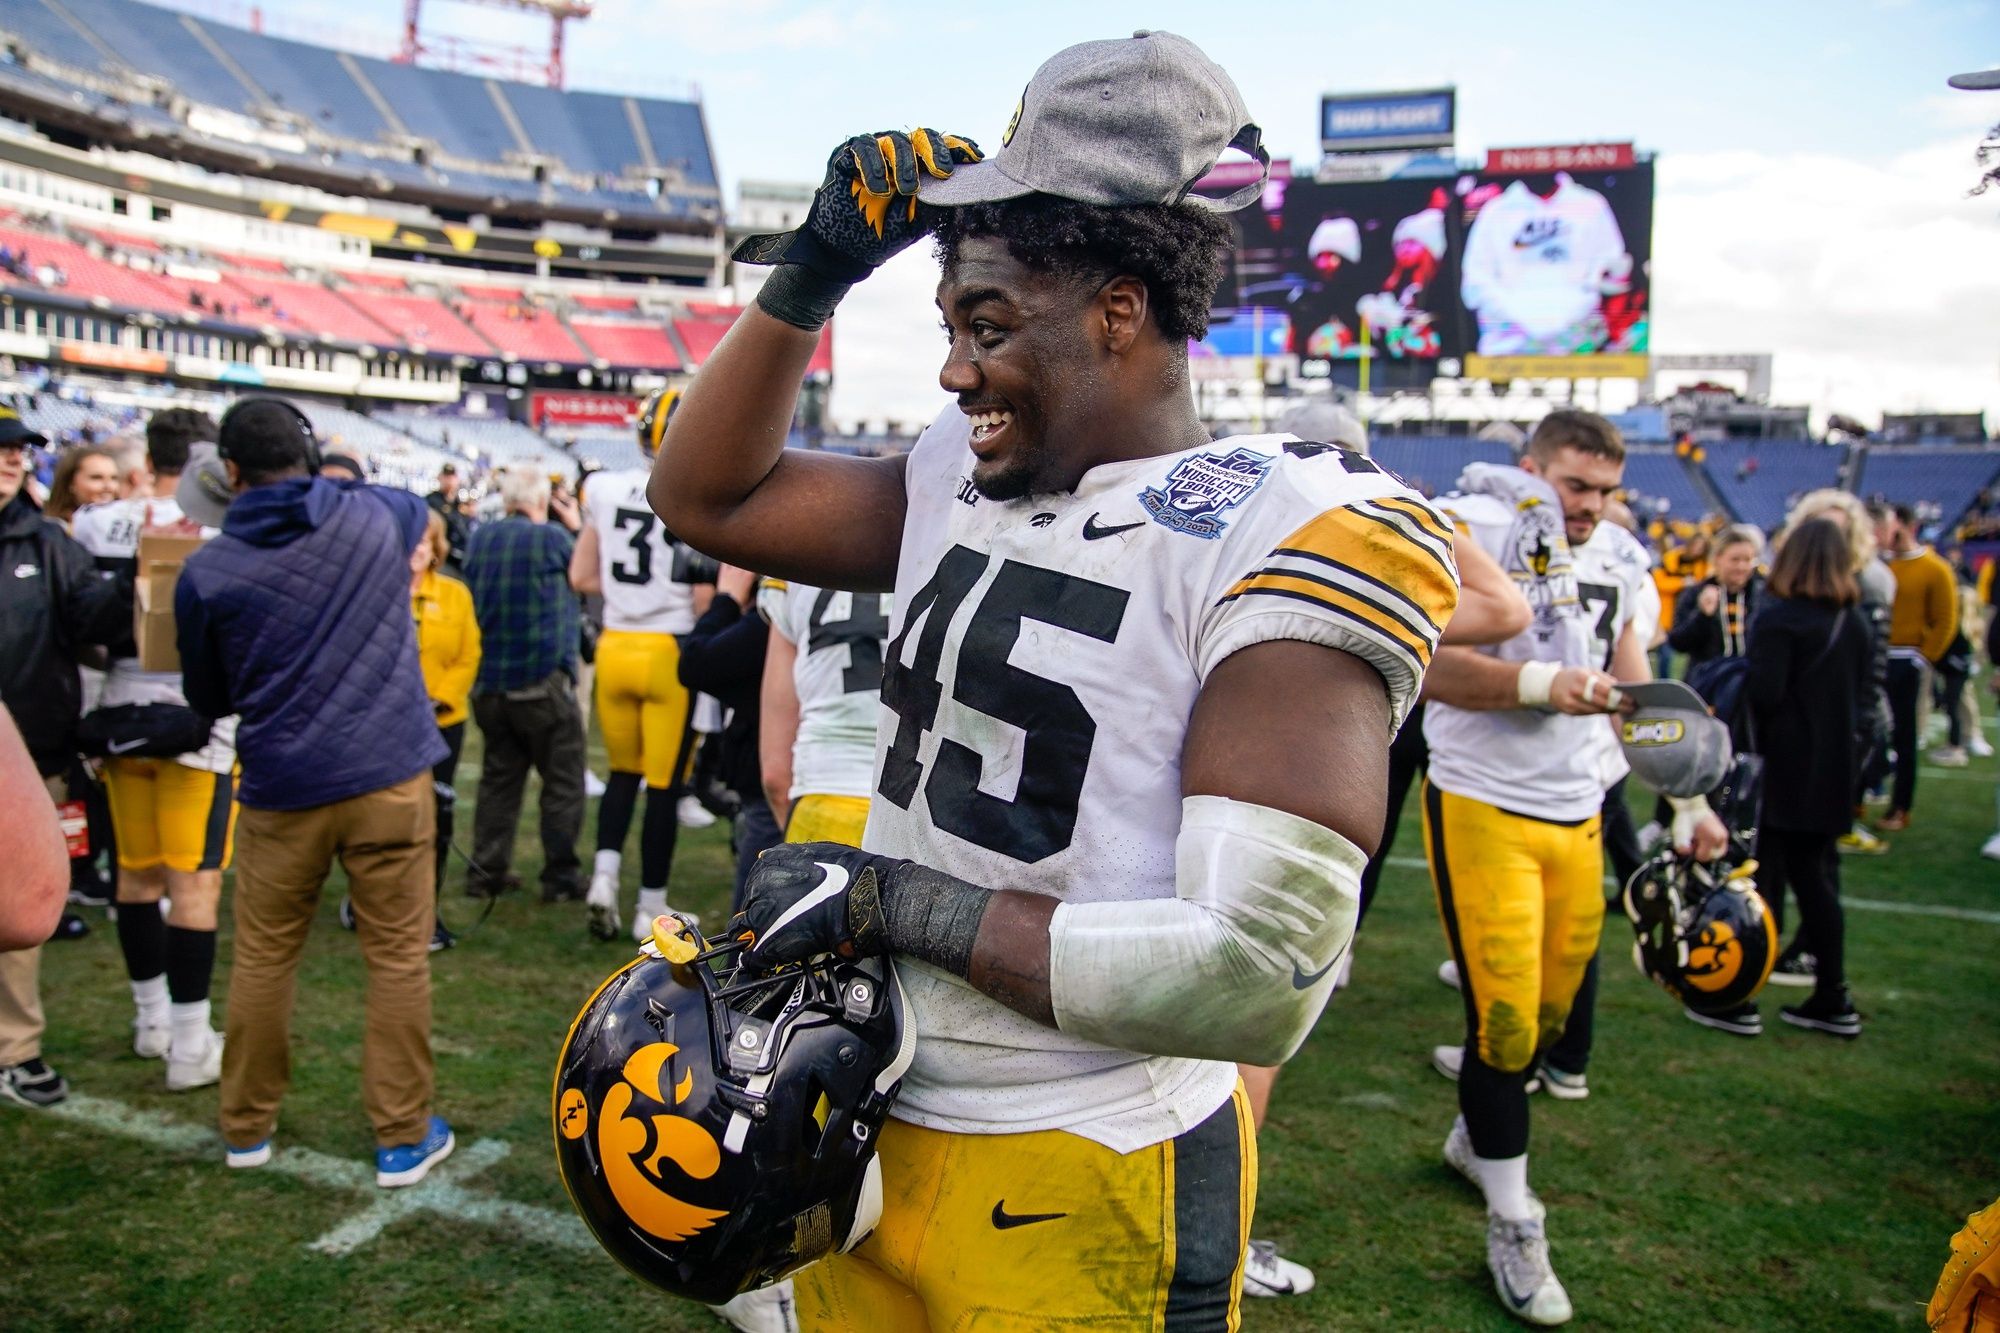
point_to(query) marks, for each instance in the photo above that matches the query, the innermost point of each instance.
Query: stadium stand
(422, 320)
(1653, 473)
(1948, 477)
(1432, 463)
(76, 272)
(308, 307)
(641, 346)
(523, 330)
(1759, 480)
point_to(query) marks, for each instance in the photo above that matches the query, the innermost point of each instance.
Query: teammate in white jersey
(647, 581)
(816, 719)
(174, 815)
(1106, 863)
(1512, 820)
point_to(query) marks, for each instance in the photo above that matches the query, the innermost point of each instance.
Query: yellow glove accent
(930, 147)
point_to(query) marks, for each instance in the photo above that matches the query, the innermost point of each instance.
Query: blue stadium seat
(680, 139)
(1431, 463)
(1948, 477)
(44, 32)
(1654, 473)
(453, 109)
(156, 41)
(1785, 470)
(306, 80)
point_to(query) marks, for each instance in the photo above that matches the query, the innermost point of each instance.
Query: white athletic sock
(150, 998)
(190, 1026)
(608, 863)
(652, 902)
(1505, 1181)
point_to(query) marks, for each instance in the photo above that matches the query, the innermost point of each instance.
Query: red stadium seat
(641, 346)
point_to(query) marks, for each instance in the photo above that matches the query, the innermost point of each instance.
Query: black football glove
(866, 210)
(806, 899)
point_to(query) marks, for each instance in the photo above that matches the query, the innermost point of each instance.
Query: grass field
(1791, 1182)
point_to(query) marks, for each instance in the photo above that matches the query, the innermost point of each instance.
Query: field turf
(1709, 1182)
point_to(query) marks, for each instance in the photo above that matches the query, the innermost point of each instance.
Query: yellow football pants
(165, 813)
(1522, 902)
(817, 818)
(1020, 1233)
(642, 706)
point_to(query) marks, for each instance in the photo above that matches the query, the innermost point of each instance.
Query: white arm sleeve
(1238, 964)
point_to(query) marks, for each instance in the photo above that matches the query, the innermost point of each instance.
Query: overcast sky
(1813, 166)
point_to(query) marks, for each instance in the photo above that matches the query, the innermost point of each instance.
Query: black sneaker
(32, 1083)
(94, 893)
(1742, 1021)
(71, 927)
(1835, 1017)
(1801, 969)
(441, 939)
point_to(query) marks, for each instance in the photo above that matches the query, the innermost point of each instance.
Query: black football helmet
(717, 1131)
(1706, 935)
(654, 413)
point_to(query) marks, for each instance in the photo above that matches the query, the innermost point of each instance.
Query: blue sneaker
(255, 1155)
(408, 1163)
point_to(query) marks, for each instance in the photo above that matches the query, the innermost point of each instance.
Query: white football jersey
(838, 676)
(1535, 269)
(1614, 578)
(636, 556)
(1044, 656)
(1531, 762)
(110, 532)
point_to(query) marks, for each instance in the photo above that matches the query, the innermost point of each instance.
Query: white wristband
(1535, 682)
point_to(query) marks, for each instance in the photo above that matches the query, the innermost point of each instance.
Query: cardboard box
(161, 554)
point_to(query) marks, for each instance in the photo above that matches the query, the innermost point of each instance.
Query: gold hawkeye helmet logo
(1715, 957)
(1014, 121)
(632, 1143)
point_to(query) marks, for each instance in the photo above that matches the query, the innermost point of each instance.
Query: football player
(625, 554)
(1512, 820)
(1137, 699)
(174, 816)
(816, 720)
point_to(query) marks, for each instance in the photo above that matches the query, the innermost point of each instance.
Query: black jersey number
(641, 568)
(862, 632)
(1058, 730)
(1603, 598)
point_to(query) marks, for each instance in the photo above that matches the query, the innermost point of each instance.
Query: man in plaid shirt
(525, 697)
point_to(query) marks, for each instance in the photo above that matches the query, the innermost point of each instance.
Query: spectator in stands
(723, 656)
(53, 604)
(1922, 623)
(444, 502)
(297, 618)
(85, 476)
(1810, 656)
(525, 696)
(1712, 618)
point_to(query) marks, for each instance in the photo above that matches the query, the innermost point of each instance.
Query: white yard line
(1860, 904)
(441, 1193)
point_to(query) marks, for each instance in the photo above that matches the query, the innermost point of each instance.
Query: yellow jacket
(1925, 614)
(447, 643)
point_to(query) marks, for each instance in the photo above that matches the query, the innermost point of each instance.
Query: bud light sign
(1373, 122)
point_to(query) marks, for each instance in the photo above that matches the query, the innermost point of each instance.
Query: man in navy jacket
(297, 618)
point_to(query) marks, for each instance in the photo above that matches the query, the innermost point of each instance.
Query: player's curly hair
(1175, 249)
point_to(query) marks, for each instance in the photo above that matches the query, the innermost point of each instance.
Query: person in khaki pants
(297, 618)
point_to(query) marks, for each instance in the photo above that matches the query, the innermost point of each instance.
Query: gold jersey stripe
(1387, 554)
(1424, 515)
(1349, 604)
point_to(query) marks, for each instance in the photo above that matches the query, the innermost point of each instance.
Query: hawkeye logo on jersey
(1202, 488)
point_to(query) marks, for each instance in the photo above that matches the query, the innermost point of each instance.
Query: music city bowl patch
(1202, 487)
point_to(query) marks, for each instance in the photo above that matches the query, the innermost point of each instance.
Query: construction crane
(513, 62)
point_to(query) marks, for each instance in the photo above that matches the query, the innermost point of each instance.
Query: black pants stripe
(1571, 1051)
(1208, 1222)
(215, 833)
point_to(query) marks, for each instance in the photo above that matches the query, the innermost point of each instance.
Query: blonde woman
(448, 648)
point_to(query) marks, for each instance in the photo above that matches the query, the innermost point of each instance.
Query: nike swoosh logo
(120, 747)
(1004, 1220)
(833, 886)
(1307, 980)
(1091, 530)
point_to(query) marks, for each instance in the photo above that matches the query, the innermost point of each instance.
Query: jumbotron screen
(1348, 261)
(1504, 270)
(1555, 265)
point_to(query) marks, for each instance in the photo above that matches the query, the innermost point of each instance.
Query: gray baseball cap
(1671, 740)
(1132, 120)
(204, 491)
